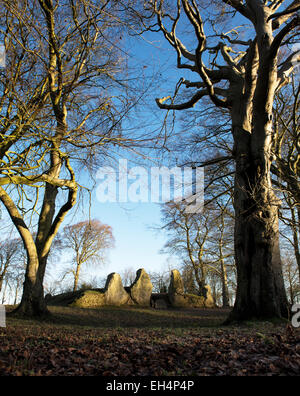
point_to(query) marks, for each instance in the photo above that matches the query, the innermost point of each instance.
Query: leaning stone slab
(63, 299)
(141, 289)
(81, 298)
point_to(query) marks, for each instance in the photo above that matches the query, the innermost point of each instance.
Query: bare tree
(62, 104)
(203, 241)
(286, 148)
(128, 276)
(286, 167)
(12, 266)
(290, 271)
(223, 239)
(89, 242)
(242, 77)
(160, 281)
(189, 234)
(9, 256)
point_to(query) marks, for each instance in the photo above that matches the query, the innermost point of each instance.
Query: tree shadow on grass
(137, 317)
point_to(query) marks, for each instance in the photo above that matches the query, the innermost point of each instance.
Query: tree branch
(282, 17)
(241, 8)
(281, 35)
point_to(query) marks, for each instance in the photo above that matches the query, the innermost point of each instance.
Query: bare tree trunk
(214, 288)
(261, 292)
(76, 277)
(1, 281)
(291, 287)
(3, 273)
(16, 293)
(32, 302)
(4, 292)
(200, 279)
(225, 292)
(296, 233)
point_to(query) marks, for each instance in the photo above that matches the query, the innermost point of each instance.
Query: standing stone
(209, 301)
(176, 290)
(141, 289)
(114, 292)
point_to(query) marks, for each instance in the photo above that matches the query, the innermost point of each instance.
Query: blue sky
(136, 244)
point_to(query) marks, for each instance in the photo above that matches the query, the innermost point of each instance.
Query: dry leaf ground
(143, 341)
